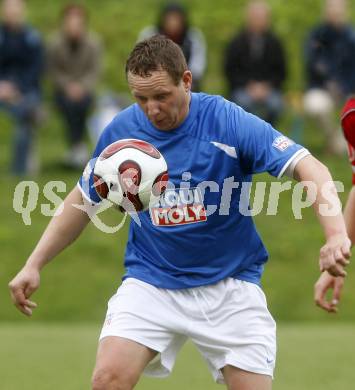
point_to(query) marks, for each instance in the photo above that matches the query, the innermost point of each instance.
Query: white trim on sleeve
(347, 113)
(289, 167)
(85, 195)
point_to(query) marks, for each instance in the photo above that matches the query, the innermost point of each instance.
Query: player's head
(13, 12)
(348, 120)
(74, 18)
(160, 81)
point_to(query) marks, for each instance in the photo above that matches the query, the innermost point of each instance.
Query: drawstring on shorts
(195, 294)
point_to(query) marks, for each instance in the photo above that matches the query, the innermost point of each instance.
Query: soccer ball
(130, 173)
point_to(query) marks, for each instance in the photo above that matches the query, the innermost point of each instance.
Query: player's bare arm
(349, 215)
(60, 233)
(334, 255)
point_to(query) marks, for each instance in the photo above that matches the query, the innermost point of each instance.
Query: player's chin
(164, 124)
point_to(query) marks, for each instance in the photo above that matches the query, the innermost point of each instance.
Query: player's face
(165, 104)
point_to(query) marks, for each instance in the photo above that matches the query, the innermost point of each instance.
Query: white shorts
(228, 322)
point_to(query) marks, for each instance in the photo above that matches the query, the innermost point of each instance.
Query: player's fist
(335, 254)
(22, 287)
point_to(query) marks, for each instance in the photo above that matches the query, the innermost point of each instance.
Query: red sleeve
(348, 121)
(351, 151)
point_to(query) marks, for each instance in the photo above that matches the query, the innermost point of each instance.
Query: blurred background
(62, 79)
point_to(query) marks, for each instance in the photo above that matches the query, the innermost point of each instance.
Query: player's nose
(152, 109)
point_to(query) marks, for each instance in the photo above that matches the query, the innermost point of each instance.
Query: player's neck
(185, 109)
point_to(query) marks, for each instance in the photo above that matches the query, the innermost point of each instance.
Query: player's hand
(324, 283)
(24, 284)
(335, 254)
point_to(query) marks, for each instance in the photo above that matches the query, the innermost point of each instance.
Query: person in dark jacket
(173, 23)
(255, 65)
(330, 70)
(21, 66)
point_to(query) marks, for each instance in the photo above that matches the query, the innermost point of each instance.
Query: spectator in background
(173, 23)
(330, 70)
(21, 66)
(255, 65)
(74, 57)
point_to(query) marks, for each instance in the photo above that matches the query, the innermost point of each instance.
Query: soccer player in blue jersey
(197, 280)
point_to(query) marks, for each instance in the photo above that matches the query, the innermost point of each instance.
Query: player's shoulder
(215, 105)
(125, 120)
(225, 116)
(208, 101)
(123, 125)
(214, 117)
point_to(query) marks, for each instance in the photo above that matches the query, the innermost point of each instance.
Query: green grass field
(51, 357)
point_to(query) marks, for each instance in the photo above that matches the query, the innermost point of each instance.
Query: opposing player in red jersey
(326, 281)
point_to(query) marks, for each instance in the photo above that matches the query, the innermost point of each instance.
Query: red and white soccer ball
(131, 173)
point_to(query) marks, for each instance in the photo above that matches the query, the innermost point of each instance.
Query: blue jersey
(201, 234)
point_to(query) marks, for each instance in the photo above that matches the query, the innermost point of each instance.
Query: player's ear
(187, 80)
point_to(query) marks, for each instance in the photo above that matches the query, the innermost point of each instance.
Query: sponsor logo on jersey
(282, 143)
(179, 207)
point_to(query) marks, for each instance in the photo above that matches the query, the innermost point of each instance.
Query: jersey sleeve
(348, 121)
(351, 153)
(86, 181)
(260, 147)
